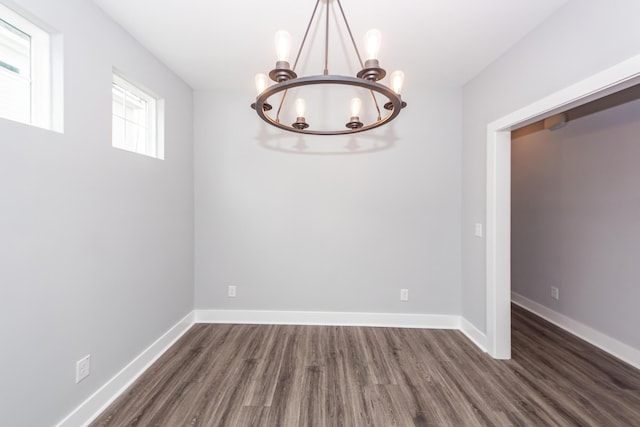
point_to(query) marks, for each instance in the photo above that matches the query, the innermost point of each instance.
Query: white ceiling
(438, 43)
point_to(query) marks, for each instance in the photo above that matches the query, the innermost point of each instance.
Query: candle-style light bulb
(300, 122)
(282, 41)
(372, 41)
(283, 71)
(262, 81)
(301, 107)
(354, 122)
(397, 80)
(356, 104)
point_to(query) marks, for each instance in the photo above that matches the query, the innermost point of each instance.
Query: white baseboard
(392, 320)
(474, 334)
(618, 349)
(105, 395)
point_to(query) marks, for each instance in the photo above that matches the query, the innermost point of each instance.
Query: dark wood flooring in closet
(259, 375)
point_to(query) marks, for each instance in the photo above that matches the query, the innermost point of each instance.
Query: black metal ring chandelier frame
(367, 78)
(261, 101)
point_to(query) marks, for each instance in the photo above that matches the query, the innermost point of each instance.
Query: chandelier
(366, 82)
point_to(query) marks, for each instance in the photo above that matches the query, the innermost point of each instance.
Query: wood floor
(249, 375)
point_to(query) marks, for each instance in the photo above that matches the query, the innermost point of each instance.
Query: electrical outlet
(83, 368)
(231, 291)
(404, 294)
(555, 293)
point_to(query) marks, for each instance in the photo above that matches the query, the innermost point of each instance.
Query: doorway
(498, 189)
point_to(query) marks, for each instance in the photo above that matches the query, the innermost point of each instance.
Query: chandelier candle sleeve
(367, 78)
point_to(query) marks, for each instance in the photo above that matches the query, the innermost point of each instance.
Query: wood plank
(268, 375)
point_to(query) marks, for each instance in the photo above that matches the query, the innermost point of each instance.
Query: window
(136, 123)
(26, 78)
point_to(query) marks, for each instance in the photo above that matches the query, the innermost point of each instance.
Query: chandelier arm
(295, 64)
(326, 43)
(353, 41)
(306, 33)
(284, 95)
(375, 102)
(355, 47)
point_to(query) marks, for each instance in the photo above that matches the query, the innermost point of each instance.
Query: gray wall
(581, 39)
(96, 243)
(576, 220)
(328, 232)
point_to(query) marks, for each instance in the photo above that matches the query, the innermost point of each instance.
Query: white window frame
(41, 108)
(154, 120)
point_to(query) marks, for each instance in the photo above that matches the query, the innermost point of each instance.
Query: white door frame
(498, 189)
